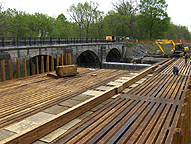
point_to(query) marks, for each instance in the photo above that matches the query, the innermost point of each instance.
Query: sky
(178, 10)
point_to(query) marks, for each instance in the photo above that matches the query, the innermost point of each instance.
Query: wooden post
(24, 67)
(37, 69)
(47, 63)
(18, 68)
(3, 70)
(31, 67)
(42, 64)
(69, 58)
(57, 60)
(10, 70)
(61, 59)
(65, 59)
(52, 62)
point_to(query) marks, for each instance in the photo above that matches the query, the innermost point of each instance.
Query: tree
(84, 15)
(61, 27)
(128, 10)
(154, 17)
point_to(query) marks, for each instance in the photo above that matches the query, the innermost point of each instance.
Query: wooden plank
(37, 66)
(65, 59)
(127, 121)
(31, 66)
(69, 59)
(24, 67)
(90, 120)
(149, 112)
(66, 70)
(62, 60)
(10, 70)
(148, 122)
(114, 126)
(18, 68)
(57, 60)
(42, 64)
(52, 62)
(3, 70)
(55, 122)
(99, 124)
(47, 63)
(53, 76)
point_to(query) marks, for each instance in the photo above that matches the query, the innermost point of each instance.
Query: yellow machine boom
(176, 48)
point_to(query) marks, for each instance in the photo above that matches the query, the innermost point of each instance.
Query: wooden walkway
(148, 113)
(23, 97)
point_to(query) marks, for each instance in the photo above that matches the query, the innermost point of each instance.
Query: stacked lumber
(63, 71)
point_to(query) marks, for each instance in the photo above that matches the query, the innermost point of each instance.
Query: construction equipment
(110, 38)
(177, 49)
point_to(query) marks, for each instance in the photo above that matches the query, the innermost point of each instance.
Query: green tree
(45, 24)
(61, 27)
(155, 19)
(128, 10)
(83, 15)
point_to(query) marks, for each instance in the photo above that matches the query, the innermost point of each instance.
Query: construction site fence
(153, 40)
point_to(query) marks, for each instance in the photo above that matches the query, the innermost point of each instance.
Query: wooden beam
(10, 70)
(68, 70)
(3, 70)
(24, 67)
(65, 59)
(62, 60)
(37, 67)
(18, 68)
(31, 67)
(52, 62)
(57, 60)
(69, 59)
(45, 127)
(42, 64)
(47, 63)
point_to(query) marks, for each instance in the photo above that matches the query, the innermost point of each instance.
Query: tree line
(147, 19)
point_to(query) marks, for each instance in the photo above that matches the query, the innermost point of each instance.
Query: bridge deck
(148, 113)
(23, 97)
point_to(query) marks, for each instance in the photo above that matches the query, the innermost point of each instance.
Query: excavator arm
(159, 42)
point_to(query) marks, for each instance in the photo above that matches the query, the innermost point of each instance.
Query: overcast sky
(178, 10)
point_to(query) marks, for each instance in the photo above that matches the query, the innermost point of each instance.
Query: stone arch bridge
(86, 55)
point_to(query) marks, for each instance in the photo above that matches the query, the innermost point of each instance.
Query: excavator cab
(180, 48)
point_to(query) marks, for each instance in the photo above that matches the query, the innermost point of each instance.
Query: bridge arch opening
(28, 66)
(39, 62)
(88, 59)
(113, 55)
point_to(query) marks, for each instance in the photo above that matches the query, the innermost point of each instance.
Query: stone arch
(114, 55)
(88, 59)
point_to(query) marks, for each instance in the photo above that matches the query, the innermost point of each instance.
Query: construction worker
(175, 70)
(186, 58)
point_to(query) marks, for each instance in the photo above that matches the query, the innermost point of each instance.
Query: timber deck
(23, 97)
(148, 113)
(143, 112)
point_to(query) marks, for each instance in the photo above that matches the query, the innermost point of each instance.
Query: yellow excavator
(177, 49)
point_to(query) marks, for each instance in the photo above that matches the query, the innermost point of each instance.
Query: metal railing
(38, 41)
